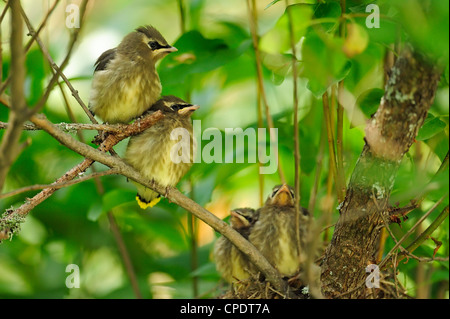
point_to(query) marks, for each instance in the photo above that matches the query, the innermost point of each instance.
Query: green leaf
(116, 198)
(369, 101)
(328, 10)
(324, 62)
(432, 126)
(271, 4)
(95, 211)
(197, 55)
(277, 40)
(278, 64)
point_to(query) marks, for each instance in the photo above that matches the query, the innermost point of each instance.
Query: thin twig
(253, 19)
(427, 233)
(30, 42)
(410, 231)
(330, 135)
(59, 185)
(9, 148)
(319, 160)
(296, 129)
(112, 128)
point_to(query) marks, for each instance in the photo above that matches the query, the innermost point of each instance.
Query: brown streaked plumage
(150, 152)
(274, 234)
(231, 263)
(125, 81)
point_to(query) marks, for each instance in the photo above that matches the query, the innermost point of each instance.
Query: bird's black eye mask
(177, 107)
(155, 45)
(275, 191)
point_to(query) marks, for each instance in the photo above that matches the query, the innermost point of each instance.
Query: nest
(255, 288)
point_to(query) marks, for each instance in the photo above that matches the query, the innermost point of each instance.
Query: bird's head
(282, 195)
(174, 106)
(243, 218)
(146, 43)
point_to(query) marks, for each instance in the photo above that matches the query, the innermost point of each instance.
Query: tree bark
(409, 94)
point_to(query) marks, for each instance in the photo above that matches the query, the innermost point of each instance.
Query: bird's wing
(104, 59)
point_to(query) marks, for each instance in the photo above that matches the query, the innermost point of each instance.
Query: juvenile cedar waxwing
(231, 263)
(155, 153)
(274, 234)
(125, 80)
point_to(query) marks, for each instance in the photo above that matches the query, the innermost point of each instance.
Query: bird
(231, 263)
(125, 81)
(275, 235)
(155, 153)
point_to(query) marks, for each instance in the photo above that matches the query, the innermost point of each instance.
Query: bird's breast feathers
(156, 163)
(117, 91)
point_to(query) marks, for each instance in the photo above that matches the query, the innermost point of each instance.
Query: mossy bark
(409, 94)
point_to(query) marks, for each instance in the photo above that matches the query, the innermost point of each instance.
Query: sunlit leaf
(432, 126)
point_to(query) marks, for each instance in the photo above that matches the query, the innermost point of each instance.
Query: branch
(66, 127)
(135, 128)
(427, 233)
(9, 148)
(253, 19)
(60, 185)
(172, 194)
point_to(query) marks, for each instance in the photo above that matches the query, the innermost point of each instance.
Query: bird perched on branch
(163, 152)
(275, 232)
(125, 80)
(231, 263)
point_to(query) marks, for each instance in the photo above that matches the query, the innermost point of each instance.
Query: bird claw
(99, 138)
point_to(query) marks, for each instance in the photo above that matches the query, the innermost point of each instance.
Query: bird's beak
(239, 220)
(169, 49)
(188, 110)
(283, 197)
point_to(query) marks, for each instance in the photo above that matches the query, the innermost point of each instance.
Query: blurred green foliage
(215, 68)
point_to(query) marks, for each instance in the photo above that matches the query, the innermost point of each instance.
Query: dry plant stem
(260, 125)
(110, 128)
(56, 185)
(340, 144)
(424, 235)
(409, 232)
(330, 136)
(296, 129)
(252, 10)
(125, 255)
(340, 119)
(58, 70)
(9, 148)
(172, 195)
(319, 160)
(30, 42)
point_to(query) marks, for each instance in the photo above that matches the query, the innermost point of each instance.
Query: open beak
(283, 197)
(188, 110)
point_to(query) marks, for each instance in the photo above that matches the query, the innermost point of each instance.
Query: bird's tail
(144, 204)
